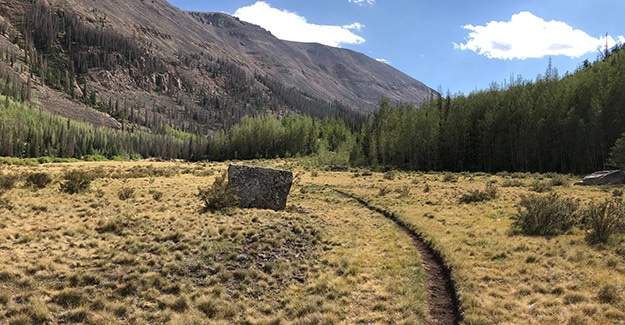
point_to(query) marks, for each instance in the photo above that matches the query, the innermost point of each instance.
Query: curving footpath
(443, 304)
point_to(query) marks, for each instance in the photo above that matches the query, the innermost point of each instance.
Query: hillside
(145, 64)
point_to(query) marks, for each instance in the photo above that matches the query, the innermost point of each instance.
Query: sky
(454, 46)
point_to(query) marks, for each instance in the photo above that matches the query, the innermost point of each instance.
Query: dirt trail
(444, 307)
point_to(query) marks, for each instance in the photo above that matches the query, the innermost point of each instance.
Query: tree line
(564, 124)
(62, 49)
(28, 132)
(553, 124)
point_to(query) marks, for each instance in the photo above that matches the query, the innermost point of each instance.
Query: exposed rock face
(260, 187)
(604, 177)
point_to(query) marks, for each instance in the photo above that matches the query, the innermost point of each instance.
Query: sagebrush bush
(126, 193)
(384, 190)
(8, 181)
(38, 180)
(450, 178)
(390, 175)
(474, 196)
(604, 219)
(512, 183)
(559, 180)
(404, 191)
(540, 187)
(491, 192)
(75, 181)
(218, 196)
(545, 215)
(157, 195)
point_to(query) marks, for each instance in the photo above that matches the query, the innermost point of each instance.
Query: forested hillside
(566, 124)
(145, 64)
(554, 124)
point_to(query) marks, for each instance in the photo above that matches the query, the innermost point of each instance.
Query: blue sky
(455, 45)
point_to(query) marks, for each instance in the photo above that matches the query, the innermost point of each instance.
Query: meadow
(136, 246)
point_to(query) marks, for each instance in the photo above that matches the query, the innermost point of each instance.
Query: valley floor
(137, 248)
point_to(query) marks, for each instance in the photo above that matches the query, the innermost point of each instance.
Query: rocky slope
(148, 64)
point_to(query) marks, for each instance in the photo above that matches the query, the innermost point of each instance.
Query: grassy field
(504, 278)
(136, 247)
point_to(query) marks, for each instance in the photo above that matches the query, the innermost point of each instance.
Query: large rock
(260, 187)
(604, 177)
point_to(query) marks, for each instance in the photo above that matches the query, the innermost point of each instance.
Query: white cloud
(292, 27)
(527, 36)
(383, 60)
(362, 2)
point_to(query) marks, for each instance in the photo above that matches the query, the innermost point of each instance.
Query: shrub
(390, 175)
(490, 193)
(404, 191)
(491, 190)
(157, 195)
(474, 196)
(38, 180)
(384, 190)
(126, 193)
(8, 181)
(604, 219)
(76, 181)
(512, 183)
(95, 157)
(559, 180)
(218, 196)
(540, 187)
(545, 215)
(450, 178)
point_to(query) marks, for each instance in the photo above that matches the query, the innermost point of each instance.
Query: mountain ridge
(147, 63)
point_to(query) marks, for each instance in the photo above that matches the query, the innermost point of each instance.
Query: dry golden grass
(137, 248)
(503, 278)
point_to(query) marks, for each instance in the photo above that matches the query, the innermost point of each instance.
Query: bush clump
(450, 178)
(540, 187)
(604, 219)
(218, 196)
(559, 180)
(491, 192)
(38, 180)
(474, 196)
(390, 175)
(545, 215)
(8, 181)
(126, 193)
(75, 181)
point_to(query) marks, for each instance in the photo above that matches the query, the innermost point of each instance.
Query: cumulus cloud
(362, 2)
(383, 60)
(527, 36)
(292, 27)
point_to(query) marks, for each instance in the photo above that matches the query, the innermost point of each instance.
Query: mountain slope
(147, 64)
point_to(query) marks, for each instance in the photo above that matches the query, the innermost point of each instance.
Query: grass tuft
(69, 298)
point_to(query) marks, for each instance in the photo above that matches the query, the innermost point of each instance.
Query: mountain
(148, 65)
